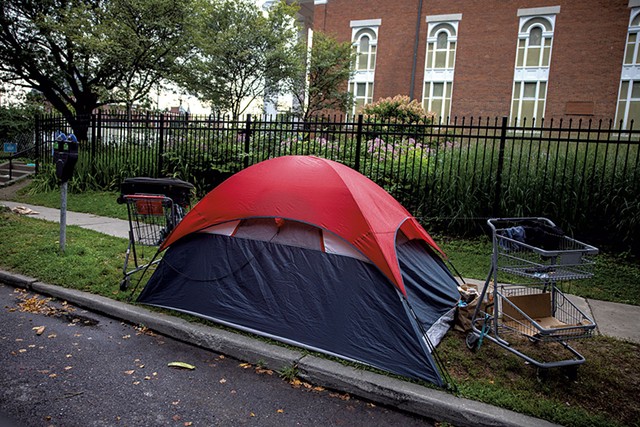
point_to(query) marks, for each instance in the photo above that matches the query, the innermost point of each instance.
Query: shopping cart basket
(522, 296)
(155, 206)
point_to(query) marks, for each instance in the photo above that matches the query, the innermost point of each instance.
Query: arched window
(365, 44)
(533, 60)
(441, 47)
(440, 63)
(364, 36)
(534, 44)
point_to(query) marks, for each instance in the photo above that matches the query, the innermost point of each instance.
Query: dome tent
(309, 252)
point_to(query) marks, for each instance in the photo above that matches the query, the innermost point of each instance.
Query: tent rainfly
(309, 252)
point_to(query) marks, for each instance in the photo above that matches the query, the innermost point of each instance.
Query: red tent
(312, 253)
(317, 191)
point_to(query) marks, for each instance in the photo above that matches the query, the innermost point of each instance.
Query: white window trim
(539, 11)
(364, 23)
(446, 18)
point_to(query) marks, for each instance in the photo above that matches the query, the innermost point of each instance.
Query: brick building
(490, 58)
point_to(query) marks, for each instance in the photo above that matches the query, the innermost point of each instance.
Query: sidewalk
(617, 320)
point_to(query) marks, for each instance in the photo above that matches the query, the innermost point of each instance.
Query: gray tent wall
(338, 305)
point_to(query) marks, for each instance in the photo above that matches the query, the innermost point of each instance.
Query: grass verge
(604, 393)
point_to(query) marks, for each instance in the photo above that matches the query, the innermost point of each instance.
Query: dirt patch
(10, 192)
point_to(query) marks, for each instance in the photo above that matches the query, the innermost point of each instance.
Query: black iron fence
(583, 174)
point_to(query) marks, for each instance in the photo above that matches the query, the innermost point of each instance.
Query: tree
(324, 85)
(83, 54)
(242, 53)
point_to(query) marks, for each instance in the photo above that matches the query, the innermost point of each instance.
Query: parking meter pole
(63, 215)
(65, 157)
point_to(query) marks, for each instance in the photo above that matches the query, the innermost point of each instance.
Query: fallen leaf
(280, 411)
(68, 356)
(126, 337)
(147, 377)
(129, 372)
(181, 365)
(340, 396)
(188, 423)
(252, 414)
(176, 418)
(176, 402)
(53, 375)
(31, 346)
(19, 340)
(222, 381)
(22, 350)
(245, 365)
(51, 336)
(66, 368)
(221, 357)
(39, 329)
(318, 388)
(136, 382)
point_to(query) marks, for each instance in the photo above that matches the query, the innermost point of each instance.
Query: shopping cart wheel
(571, 372)
(535, 339)
(472, 341)
(125, 283)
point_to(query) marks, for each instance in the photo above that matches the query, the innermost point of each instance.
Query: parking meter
(65, 156)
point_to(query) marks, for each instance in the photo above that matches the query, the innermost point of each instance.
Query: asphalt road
(63, 366)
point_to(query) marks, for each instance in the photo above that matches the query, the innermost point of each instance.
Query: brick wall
(586, 60)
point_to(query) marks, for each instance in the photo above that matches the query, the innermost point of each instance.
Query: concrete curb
(412, 398)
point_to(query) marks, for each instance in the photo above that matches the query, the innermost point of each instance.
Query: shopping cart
(522, 296)
(155, 206)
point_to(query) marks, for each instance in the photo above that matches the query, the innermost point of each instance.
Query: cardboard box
(536, 307)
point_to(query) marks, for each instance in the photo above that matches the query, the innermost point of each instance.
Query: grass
(604, 393)
(101, 203)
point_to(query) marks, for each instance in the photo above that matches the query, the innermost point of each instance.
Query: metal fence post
(500, 167)
(92, 160)
(160, 145)
(38, 138)
(247, 139)
(358, 143)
